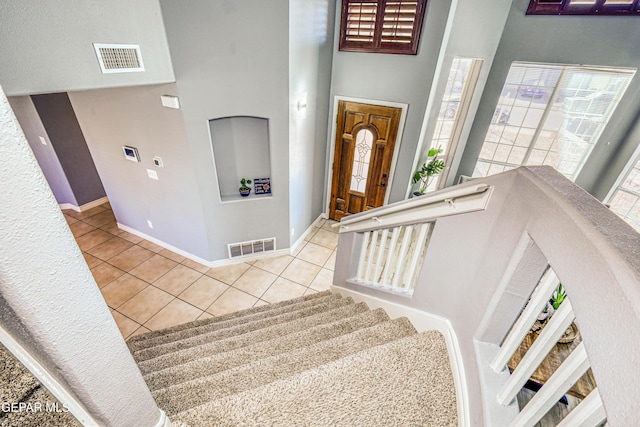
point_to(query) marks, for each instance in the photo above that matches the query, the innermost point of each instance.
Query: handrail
(444, 203)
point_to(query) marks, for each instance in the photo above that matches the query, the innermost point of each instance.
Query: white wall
(48, 46)
(231, 59)
(310, 53)
(45, 153)
(111, 118)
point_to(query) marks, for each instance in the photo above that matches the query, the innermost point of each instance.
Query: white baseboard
(210, 264)
(424, 321)
(84, 207)
(307, 231)
(53, 385)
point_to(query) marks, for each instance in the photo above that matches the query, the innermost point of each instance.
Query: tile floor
(148, 287)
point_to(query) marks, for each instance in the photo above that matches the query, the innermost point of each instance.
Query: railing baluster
(537, 352)
(518, 331)
(372, 251)
(413, 261)
(383, 244)
(589, 413)
(363, 251)
(389, 262)
(567, 374)
(408, 230)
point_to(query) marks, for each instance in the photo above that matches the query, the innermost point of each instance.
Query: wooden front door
(365, 139)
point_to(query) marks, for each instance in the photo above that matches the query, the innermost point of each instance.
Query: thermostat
(158, 162)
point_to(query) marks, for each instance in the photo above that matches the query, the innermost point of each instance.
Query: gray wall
(311, 29)
(397, 78)
(231, 59)
(45, 154)
(596, 40)
(59, 119)
(47, 46)
(111, 118)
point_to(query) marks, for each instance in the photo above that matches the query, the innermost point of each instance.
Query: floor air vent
(119, 58)
(251, 247)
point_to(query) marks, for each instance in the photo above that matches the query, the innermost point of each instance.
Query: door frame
(332, 143)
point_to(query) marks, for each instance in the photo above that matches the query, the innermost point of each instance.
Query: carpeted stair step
(177, 398)
(407, 382)
(186, 330)
(238, 329)
(182, 356)
(231, 359)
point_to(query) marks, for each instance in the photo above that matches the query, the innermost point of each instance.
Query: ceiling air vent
(251, 247)
(119, 58)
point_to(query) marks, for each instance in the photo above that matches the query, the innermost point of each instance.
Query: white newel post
(52, 315)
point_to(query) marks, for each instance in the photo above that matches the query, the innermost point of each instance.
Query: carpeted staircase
(318, 360)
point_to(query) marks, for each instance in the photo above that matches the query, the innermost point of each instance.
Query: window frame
(599, 7)
(377, 45)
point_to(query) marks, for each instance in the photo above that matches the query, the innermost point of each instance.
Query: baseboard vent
(119, 58)
(251, 247)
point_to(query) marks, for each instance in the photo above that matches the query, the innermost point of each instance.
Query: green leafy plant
(243, 184)
(558, 296)
(431, 168)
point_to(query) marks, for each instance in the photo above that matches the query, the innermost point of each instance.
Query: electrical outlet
(152, 174)
(149, 223)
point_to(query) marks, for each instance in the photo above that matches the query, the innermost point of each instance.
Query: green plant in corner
(244, 188)
(431, 168)
(558, 296)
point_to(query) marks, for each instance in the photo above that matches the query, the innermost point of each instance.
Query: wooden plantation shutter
(584, 7)
(383, 26)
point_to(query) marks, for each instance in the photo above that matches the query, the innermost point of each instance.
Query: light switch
(152, 174)
(158, 162)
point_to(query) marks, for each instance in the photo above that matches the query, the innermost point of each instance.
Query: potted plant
(431, 168)
(244, 188)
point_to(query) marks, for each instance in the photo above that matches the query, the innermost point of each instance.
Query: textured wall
(60, 315)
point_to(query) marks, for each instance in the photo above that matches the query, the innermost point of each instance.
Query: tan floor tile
(100, 219)
(110, 248)
(205, 315)
(121, 289)
(145, 304)
(328, 225)
(301, 272)
(153, 268)
(315, 254)
(325, 238)
(331, 262)
(232, 300)
(177, 280)
(131, 258)
(150, 246)
(203, 292)
(70, 219)
(255, 281)
(283, 289)
(112, 228)
(323, 280)
(91, 260)
(105, 273)
(93, 211)
(195, 265)
(93, 238)
(310, 291)
(260, 302)
(172, 255)
(311, 233)
(176, 312)
(228, 273)
(275, 265)
(130, 237)
(300, 247)
(126, 325)
(80, 228)
(140, 330)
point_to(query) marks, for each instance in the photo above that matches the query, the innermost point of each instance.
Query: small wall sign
(262, 185)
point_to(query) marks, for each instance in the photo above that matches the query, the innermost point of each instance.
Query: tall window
(382, 26)
(584, 7)
(625, 199)
(550, 115)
